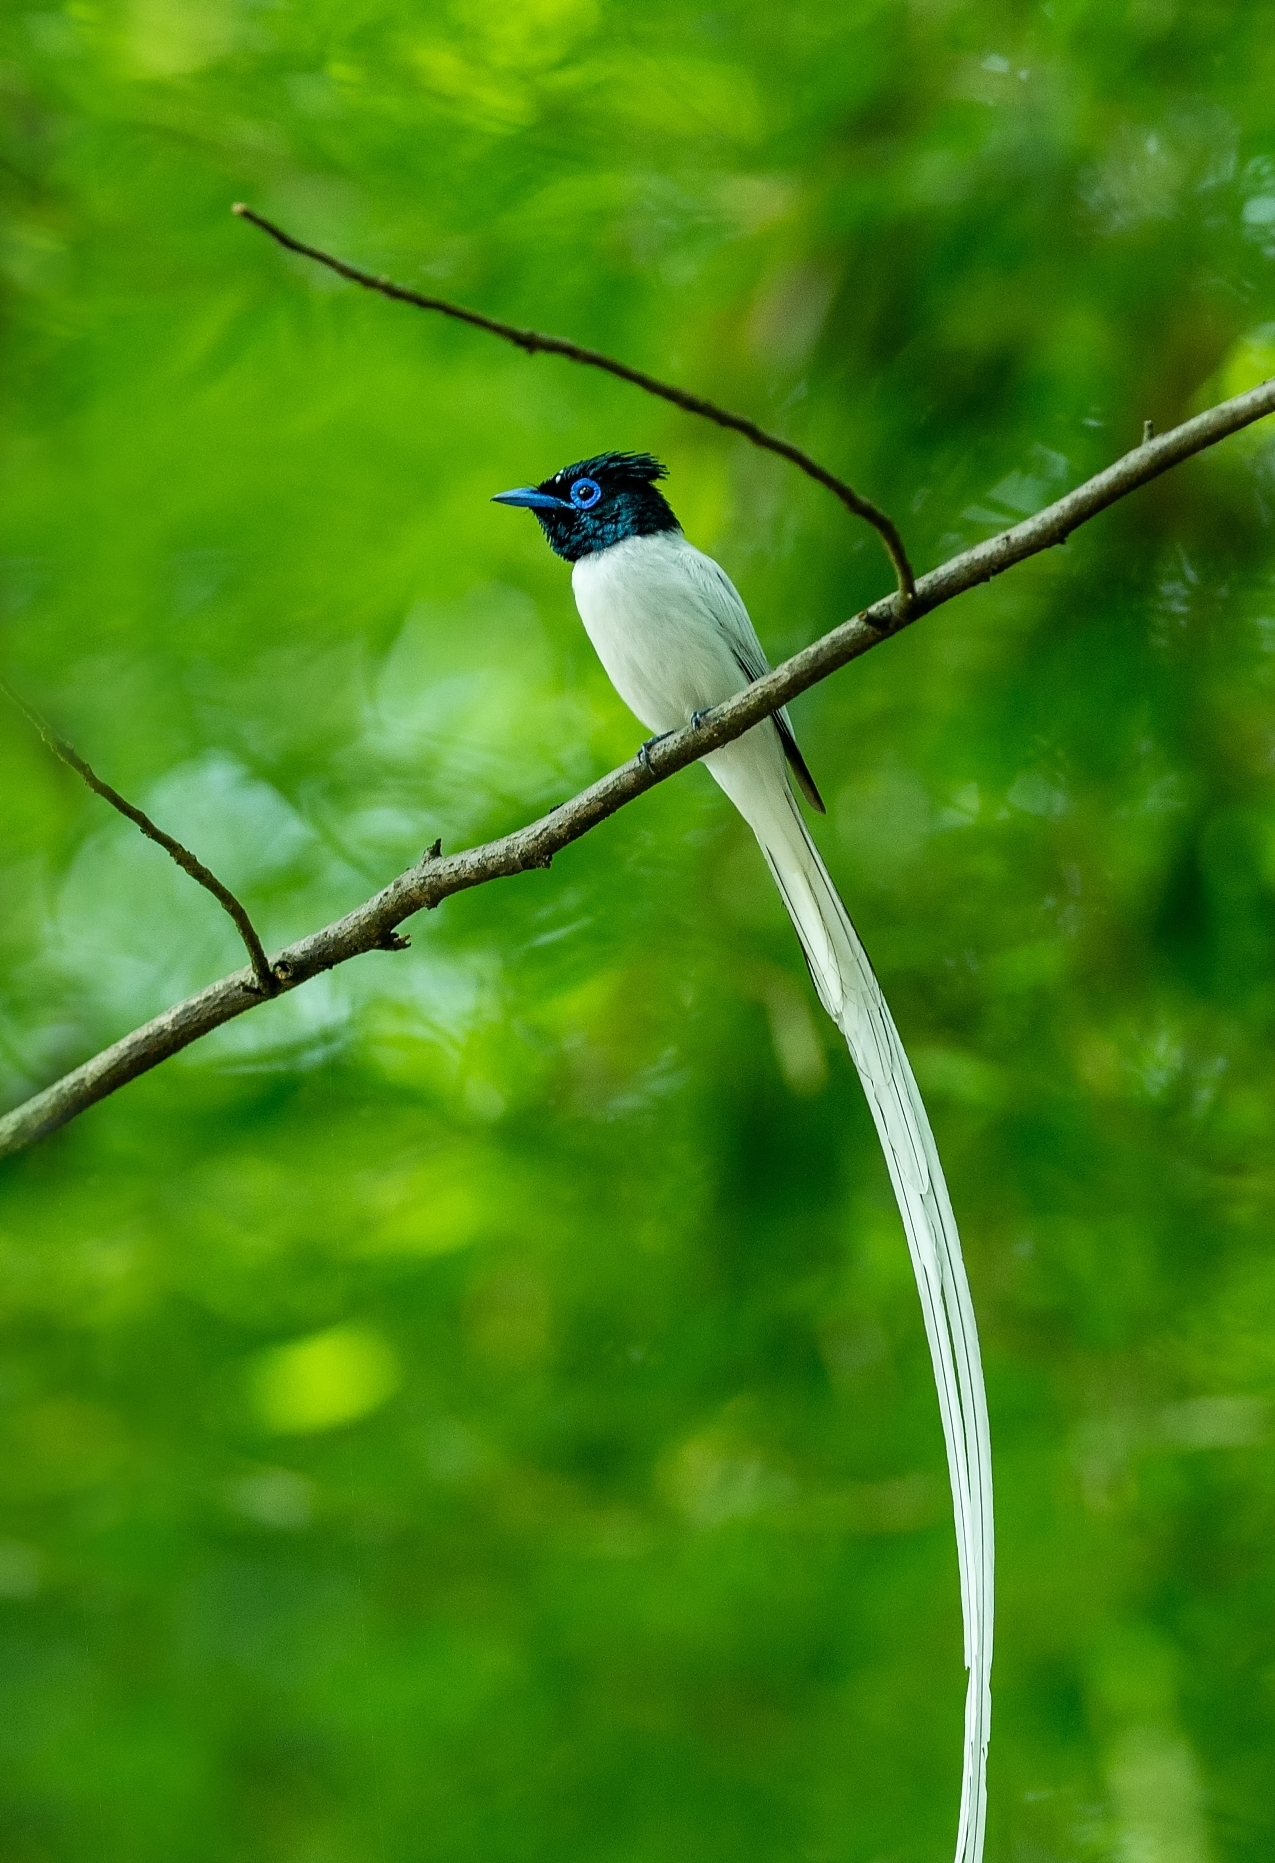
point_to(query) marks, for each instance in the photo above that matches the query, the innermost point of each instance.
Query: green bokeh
(648, 1556)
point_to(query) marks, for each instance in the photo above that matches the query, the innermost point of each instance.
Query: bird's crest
(617, 469)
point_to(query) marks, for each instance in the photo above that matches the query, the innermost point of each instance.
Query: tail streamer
(850, 993)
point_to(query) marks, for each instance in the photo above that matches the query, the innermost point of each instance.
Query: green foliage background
(477, 1409)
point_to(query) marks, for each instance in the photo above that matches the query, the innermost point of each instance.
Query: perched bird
(675, 638)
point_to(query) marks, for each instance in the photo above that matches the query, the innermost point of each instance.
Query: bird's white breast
(653, 608)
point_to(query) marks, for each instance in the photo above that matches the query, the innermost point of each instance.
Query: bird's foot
(697, 718)
(644, 750)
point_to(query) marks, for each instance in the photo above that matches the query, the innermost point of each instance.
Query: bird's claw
(697, 718)
(644, 750)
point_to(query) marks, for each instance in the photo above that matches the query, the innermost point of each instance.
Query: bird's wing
(726, 605)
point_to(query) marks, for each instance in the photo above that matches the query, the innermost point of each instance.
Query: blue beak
(534, 500)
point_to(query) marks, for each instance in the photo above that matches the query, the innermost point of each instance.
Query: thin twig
(267, 983)
(533, 340)
(434, 879)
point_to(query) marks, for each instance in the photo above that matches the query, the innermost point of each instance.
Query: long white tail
(852, 996)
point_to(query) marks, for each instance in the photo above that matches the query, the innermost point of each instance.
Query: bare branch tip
(176, 851)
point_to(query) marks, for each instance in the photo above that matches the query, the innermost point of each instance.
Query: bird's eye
(585, 493)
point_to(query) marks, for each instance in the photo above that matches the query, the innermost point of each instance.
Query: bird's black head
(597, 502)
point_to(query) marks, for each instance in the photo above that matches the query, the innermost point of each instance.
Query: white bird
(675, 638)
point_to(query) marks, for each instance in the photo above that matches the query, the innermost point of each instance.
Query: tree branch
(266, 983)
(371, 926)
(533, 340)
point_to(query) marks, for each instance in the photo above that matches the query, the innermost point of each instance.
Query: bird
(675, 638)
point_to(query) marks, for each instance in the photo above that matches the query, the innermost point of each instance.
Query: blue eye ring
(585, 493)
